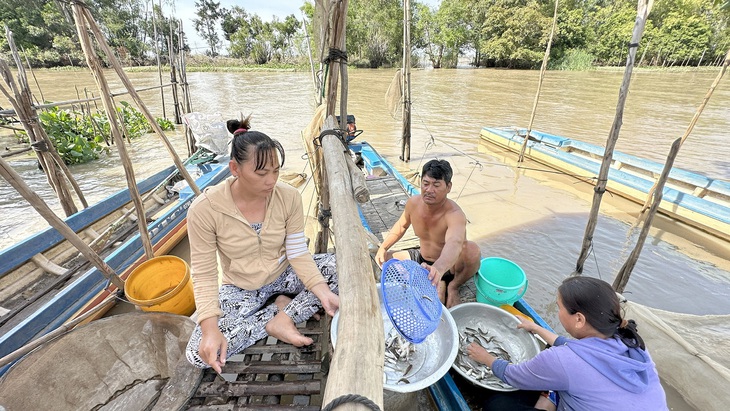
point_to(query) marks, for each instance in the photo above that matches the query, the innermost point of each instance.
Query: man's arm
(453, 243)
(395, 233)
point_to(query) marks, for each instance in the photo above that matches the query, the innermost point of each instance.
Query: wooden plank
(279, 367)
(245, 388)
(278, 349)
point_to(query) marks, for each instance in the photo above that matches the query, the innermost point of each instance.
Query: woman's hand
(213, 345)
(478, 353)
(527, 325)
(330, 301)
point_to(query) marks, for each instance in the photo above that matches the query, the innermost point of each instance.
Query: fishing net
(410, 299)
(394, 96)
(699, 345)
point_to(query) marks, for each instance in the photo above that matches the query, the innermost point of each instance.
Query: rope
(351, 398)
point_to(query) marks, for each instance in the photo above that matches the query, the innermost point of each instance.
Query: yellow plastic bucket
(162, 284)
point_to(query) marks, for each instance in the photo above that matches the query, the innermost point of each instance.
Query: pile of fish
(477, 370)
(398, 353)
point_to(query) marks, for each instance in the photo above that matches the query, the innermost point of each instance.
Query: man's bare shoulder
(454, 211)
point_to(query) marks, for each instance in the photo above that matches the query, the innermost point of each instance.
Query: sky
(266, 9)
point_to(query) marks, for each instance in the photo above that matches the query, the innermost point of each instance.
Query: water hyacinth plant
(80, 137)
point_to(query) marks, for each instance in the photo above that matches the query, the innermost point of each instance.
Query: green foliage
(209, 15)
(574, 59)
(76, 137)
(79, 137)
(165, 124)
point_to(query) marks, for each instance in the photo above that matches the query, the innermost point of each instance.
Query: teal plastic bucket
(500, 281)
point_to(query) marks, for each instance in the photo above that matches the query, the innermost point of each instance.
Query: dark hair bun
(235, 124)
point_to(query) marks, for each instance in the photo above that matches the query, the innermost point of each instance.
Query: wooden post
(337, 42)
(96, 69)
(622, 278)
(157, 54)
(101, 41)
(173, 77)
(189, 138)
(545, 60)
(692, 123)
(34, 199)
(357, 363)
(643, 8)
(405, 154)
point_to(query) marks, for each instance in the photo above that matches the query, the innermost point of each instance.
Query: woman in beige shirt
(253, 225)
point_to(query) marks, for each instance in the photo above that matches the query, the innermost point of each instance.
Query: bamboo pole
(311, 60)
(77, 101)
(34, 199)
(543, 68)
(95, 65)
(405, 154)
(52, 163)
(622, 278)
(357, 363)
(693, 122)
(643, 9)
(142, 107)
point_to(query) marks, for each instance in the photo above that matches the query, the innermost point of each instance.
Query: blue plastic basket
(410, 299)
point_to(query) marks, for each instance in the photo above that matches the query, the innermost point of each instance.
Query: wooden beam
(357, 363)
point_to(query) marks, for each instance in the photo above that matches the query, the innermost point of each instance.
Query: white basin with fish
(498, 323)
(430, 360)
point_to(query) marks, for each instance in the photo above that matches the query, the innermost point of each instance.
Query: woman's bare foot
(283, 328)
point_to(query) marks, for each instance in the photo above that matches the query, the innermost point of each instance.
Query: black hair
(438, 169)
(598, 302)
(245, 141)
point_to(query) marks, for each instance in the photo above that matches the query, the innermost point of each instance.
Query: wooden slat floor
(273, 375)
(270, 375)
(387, 200)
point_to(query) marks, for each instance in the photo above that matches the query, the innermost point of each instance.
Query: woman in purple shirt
(606, 367)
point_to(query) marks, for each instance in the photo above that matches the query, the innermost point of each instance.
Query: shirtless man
(440, 225)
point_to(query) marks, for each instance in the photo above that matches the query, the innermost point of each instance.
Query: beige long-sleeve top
(248, 260)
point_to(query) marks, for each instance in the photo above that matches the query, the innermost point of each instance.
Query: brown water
(534, 218)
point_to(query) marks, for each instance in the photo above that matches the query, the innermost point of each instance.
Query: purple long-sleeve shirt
(590, 374)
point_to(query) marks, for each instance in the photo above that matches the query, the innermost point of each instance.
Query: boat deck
(270, 375)
(387, 200)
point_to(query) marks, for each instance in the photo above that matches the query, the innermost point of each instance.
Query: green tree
(375, 32)
(209, 14)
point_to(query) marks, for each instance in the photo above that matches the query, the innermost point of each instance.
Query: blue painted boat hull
(67, 302)
(693, 198)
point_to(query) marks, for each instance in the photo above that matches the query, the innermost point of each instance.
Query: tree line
(487, 33)
(44, 30)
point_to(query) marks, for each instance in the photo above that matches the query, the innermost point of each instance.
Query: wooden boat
(67, 285)
(690, 197)
(389, 190)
